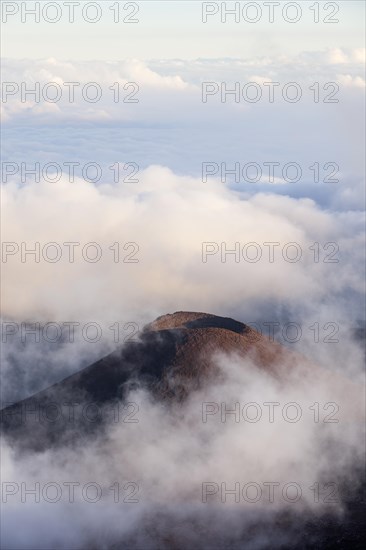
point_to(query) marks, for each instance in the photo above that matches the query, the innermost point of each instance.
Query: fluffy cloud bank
(162, 222)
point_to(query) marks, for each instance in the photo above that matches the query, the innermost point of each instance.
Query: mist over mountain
(167, 413)
(173, 357)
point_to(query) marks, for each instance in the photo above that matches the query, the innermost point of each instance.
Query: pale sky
(174, 29)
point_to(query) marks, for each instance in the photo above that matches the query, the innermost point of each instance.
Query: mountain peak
(196, 320)
(176, 355)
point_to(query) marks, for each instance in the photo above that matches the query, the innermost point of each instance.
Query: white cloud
(169, 217)
(338, 56)
(351, 81)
